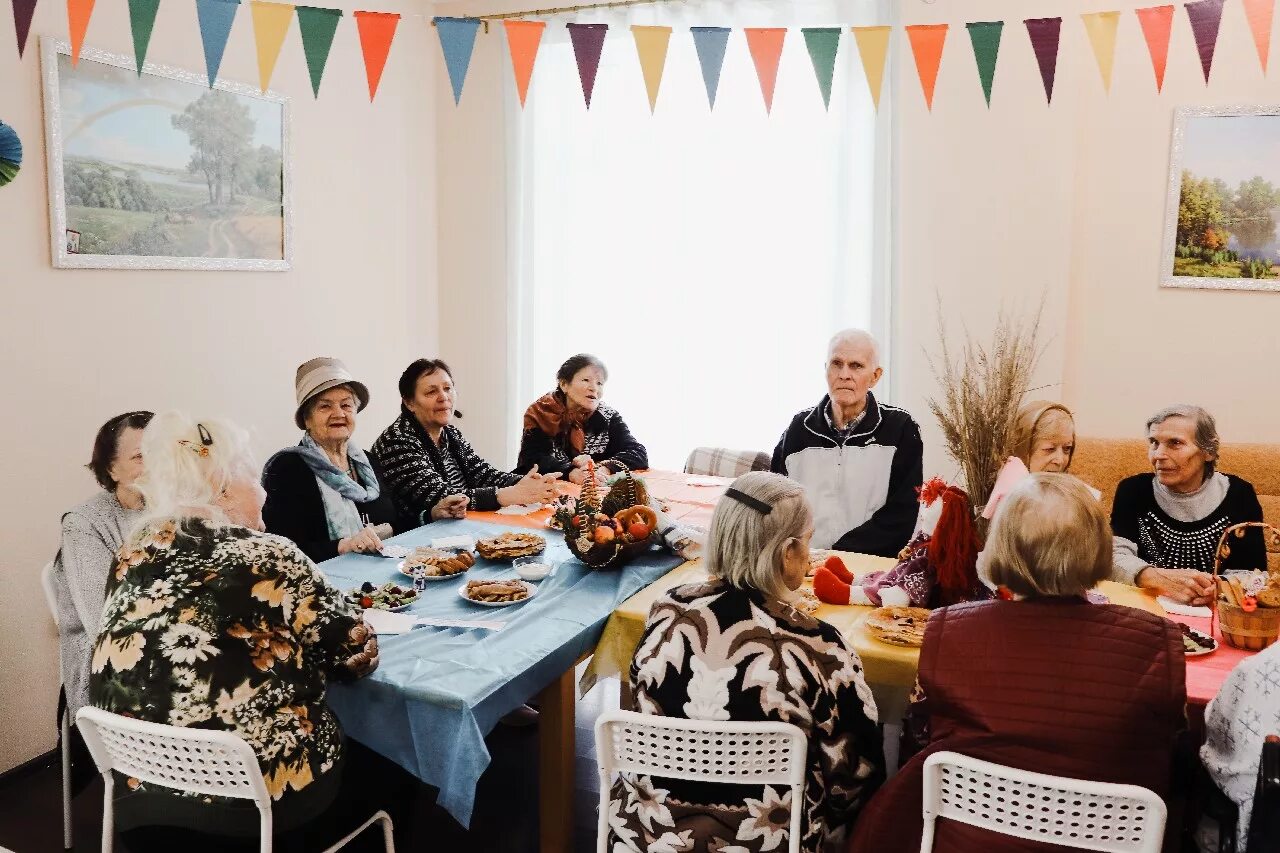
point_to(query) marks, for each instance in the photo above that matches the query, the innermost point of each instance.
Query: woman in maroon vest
(1048, 682)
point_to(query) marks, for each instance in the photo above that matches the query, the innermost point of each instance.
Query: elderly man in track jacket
(859, 460)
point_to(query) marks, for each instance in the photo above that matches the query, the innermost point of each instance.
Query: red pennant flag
(22, 12)
(377, 29)
(927, 41)
(1157, 22)
(1044, 33)
(588, 41)
(78, 14)
(1205, 17)
(765, 44)
(523, 38)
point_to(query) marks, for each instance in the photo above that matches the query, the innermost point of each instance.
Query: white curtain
(705, 256)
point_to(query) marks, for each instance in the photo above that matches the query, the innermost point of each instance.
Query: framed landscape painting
(159, 171)
(1224, 199)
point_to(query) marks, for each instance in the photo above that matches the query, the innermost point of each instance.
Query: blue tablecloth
(438, 691)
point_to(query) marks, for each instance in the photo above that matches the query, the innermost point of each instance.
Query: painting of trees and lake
(166, 172)
(1228, 200)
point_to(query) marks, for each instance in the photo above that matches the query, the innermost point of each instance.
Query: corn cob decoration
(589, 496)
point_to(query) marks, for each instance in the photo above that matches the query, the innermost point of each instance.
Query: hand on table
(533, 488)
(581, 460)
(1185, 586)
(452, 506)
(366, 542)
(580, 475)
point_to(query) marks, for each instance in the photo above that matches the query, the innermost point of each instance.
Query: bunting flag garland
(710, 43)
(765, 44)
(216, 18)
(78, 14)
(1044, 33)
(377, 29)
(317, 25)
(270, 25)
(823, 44)
(985, 36)
(23, 10)
(588, 41)
(1259, 13)
(927, 41)
(873, 47)
(142, 20)
(651, 47)
(1205, 16)
(1157, 22)
(1101, 27)
(457, 41)
(523, 38)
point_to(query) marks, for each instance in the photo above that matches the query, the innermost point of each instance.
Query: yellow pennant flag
(651, 46)
(873, 47)
(270, 25)
(1101, 27)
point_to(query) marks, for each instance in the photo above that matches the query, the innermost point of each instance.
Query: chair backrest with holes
(740, 753)
(197, 760)
(1053, 809)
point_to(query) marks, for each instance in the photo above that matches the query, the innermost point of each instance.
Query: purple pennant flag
(588, 41)
(1044, 34)
(22, 12)
(1205, 16)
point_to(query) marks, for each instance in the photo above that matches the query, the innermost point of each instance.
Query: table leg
(555, 764)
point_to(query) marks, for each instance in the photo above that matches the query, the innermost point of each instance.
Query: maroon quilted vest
(1054, 685)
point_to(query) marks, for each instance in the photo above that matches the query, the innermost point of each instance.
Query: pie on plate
(1195, 643)
(511, 544)
(497, 593)
(437, 564)
(898, 626)
(805, 601)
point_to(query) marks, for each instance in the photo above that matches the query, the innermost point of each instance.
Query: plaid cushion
(723, 462)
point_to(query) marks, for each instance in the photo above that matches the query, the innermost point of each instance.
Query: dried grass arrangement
(982, 389)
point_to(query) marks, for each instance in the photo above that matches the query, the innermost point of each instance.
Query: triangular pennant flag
(457, 41)
(588, 41)
(216, 18)
(985, 36)
(22, 12)
(873, 47)
(270, 25)
(78, 14)
(377, 29)
(1156, 23)
(317, 25)
(1101, 27)
(1259, 14)
(142, 20)
(1205, 17)
(651, 47)
(927, 41)
(765, 44)
(710, 43)
(1044, 33)
(523, 38)
(823, 44)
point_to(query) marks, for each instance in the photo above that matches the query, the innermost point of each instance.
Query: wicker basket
(613, 555)
(1249, 630)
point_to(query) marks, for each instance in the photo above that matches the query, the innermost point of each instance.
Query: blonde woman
(1044, 437)
(733, 648)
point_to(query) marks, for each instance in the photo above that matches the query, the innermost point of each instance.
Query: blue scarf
(329, 474)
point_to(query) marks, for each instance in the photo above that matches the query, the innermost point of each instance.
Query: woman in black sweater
(326, 494)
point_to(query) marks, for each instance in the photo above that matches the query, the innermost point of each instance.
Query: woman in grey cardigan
(91, 534)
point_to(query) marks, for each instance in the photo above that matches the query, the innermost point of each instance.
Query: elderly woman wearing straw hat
(325, 493)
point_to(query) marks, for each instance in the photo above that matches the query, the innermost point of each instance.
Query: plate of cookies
(436, 564)
(509, 545)
(898, 626)
(497, 593)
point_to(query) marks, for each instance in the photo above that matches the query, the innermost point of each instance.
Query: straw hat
(319, 375)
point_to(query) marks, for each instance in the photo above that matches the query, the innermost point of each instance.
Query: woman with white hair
(211, 623)
(1167, 523)
(735, 648)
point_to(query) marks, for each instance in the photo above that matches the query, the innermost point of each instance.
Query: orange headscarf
(550, 414)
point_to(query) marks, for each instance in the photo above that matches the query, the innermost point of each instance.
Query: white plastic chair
(1068, 812)
(700, 751)
(195, 760)
(51, 596)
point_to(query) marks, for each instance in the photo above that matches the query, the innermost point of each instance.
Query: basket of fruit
(603, 540)
(1249, 620)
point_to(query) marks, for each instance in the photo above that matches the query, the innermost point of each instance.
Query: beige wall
(80, 346)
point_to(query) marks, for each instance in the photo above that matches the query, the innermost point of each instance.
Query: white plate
(533, 590)
(1200, 635)
(400, 568)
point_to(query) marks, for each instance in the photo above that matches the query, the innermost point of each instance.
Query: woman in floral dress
(734, 648)
(212, 624)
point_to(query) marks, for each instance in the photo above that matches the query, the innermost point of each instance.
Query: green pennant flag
(317, 25)
(985, 36)
(142, 19)
(823, 44)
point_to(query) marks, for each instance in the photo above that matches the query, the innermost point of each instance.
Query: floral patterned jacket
(221, 627)
(711, 651)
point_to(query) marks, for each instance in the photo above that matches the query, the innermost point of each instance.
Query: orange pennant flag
(78, 13)
(1156, 22)
(1259, 13)
(927, 41)
(523, 38)
(377, 29)
(765, 44)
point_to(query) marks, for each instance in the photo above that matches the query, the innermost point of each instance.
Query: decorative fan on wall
(10, 153)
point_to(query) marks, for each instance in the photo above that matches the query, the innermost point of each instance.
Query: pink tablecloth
(1206, 673)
